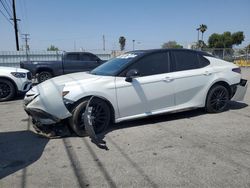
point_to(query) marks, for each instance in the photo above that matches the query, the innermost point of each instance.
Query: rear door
(192, 74)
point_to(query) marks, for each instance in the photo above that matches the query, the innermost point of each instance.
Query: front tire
(7, 90)
(44, 75)
(217, 99)
(100, 116)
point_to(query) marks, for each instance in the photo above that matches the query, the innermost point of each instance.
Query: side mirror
(98, 60)
(131, 74)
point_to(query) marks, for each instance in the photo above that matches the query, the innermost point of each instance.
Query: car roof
(169, 49)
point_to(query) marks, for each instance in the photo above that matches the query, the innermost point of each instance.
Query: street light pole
(133, 44)
(103, 42)
(198, 39)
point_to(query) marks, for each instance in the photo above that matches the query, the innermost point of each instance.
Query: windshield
(114, 66)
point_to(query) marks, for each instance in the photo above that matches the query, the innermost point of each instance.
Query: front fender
(105, 91)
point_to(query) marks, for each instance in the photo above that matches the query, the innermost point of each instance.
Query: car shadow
(18, 150)
(164, 118)
(156, 119)
(233, 105)
(174, 116)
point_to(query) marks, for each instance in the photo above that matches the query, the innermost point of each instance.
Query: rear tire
(44, 75)
(100, 114)
(217, 99)
(7, 90)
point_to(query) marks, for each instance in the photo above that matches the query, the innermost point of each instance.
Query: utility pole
(15, 24)
(103, 42)
(74, 46)
(26, 38)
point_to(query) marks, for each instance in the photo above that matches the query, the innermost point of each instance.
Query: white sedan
(13, 81)
(136, 85)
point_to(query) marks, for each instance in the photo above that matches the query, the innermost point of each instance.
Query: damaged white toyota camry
(135, 85)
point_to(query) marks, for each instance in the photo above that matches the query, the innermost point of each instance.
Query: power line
(6, 17)
(23, 17)
(5, 8)
(8, 5)
(19, 30)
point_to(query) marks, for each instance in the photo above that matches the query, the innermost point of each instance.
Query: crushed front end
(44, 104)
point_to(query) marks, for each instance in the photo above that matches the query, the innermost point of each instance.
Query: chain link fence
(13, 58)
(241, 57)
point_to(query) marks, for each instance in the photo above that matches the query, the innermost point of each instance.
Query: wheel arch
(12, 81)
(41, 69)
(219, 82)
(112, 110)
(223, 83)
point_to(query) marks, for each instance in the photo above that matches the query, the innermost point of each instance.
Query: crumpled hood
(47, 96)
(60, 81)
(68, 79)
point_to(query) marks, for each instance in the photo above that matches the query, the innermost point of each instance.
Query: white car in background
(13, 81)
(136, 85)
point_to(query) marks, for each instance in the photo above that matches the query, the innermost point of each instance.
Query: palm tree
(122, 41)
(203, 28)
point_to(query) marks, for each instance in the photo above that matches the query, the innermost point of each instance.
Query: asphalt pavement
(187, 149)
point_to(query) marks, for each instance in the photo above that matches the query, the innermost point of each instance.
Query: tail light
(237, 70)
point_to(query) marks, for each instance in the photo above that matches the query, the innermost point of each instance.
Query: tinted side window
(85, 57)
(73, 57)
(156, 63)
(185, 60)
(93, 57)
(203, 61)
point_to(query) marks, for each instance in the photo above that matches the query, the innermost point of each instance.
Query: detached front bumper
(46, 124)
(41, 116)
(44, 104)
(240, 92)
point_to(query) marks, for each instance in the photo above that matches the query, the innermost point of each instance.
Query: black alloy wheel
(7, 90)
(100, 116)
(217, 99)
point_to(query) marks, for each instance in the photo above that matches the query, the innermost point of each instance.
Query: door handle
(168, 79)
(207, 73)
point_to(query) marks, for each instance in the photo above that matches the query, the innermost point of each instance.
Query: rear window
(185, 60)
(203, 61)
(85, 57)
(73, 57)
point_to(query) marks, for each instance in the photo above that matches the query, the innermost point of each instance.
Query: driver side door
(151, 91)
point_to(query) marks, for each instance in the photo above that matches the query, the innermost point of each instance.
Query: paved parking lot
(188, 149)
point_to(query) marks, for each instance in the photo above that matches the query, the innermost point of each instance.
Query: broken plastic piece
(88, 123)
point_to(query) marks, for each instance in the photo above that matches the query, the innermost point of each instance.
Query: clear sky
(81, 23)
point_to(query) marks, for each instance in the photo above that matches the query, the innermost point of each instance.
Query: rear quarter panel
(223, 71)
